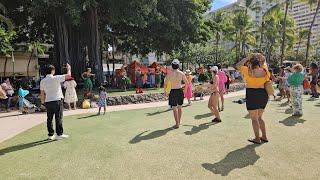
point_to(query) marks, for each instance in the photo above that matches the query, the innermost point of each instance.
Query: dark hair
(49, 69)
(101, 88)
(175, 66)
(254, 62)
(219, 66)
(313, 66)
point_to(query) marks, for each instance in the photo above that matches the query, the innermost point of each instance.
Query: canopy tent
(163, 69)
(133, 68)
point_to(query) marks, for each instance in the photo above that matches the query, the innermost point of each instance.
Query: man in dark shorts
(176, 96)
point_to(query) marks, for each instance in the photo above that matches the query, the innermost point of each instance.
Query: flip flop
(175, 127)
(253, 141)
(216, 120)
(264, 140)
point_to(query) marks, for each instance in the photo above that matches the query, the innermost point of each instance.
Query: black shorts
(176, 97)
(256, 98)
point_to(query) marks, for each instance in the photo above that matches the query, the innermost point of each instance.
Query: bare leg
(175, 114)
(262, 125)
(69, 106)
(222, 100)
(104, 108)
(99, 110)
(179, 114)
(213, 105)
(75, 105)
(254, 115)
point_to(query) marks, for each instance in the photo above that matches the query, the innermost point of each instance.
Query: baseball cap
(176, 62)
(215, 68)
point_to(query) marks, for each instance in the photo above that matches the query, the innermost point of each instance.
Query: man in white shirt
(51, 95)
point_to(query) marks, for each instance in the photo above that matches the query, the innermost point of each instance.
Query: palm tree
(218, 26)
(243, 36)
(303, 33)
(283, 43)
(34, 48)
(311, 3)
(272, 26)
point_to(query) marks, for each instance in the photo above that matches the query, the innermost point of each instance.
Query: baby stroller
(25, 106)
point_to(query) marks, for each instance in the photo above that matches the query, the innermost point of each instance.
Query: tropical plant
(218, 26)
(241, 32)
(302, 34)
(35, 48)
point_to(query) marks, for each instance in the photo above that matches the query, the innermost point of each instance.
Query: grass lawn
(140, 144)
(120, 92)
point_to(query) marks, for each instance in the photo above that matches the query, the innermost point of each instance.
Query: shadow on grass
(23, 146)
(201, 116)
(158, 112)
(317, 105)
(311, 99)
(292, 121)
(152, 135)
(237, 159)
(284, 104)
(89, 116)
(197, 129)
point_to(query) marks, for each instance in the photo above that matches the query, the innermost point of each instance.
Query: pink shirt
(222, 77)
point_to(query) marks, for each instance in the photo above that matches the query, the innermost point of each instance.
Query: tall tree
(302, 34)
(283, 43)
(311, 3)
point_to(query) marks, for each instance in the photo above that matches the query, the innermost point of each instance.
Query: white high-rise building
(260, 7)
(303, 15)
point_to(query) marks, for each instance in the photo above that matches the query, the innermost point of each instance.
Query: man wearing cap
(176, 95)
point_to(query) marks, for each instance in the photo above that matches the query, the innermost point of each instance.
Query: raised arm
(68, 75)
(241, 63)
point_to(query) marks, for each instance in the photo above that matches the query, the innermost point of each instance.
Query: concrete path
(13, 123)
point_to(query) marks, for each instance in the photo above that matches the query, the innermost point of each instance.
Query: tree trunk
(297, 51)
(76, 52)
(310, 31)
(5, 67)
(217, 46)
(28, 66)
(93, 43)
(61, 41)
(284, 32)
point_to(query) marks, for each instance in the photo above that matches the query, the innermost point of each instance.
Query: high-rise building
(303, 15)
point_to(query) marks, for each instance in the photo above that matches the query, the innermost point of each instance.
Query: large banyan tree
(81, 29)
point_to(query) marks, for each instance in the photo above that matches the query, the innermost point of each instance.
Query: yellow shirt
(254, 82)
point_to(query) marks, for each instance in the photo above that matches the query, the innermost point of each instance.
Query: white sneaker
(51, 137)
(63, 136)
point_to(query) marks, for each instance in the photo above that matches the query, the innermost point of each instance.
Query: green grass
(120, 92)
(139, 144)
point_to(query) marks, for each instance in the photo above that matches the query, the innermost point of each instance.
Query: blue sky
(220, 3)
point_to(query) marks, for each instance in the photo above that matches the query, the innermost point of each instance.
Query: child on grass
(102, 99)
(296, 85)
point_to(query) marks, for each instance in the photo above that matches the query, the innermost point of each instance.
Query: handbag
(268, 86)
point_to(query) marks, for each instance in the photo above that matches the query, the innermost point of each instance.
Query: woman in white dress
(71, 94)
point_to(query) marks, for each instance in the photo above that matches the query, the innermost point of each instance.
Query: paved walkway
(13, 123)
